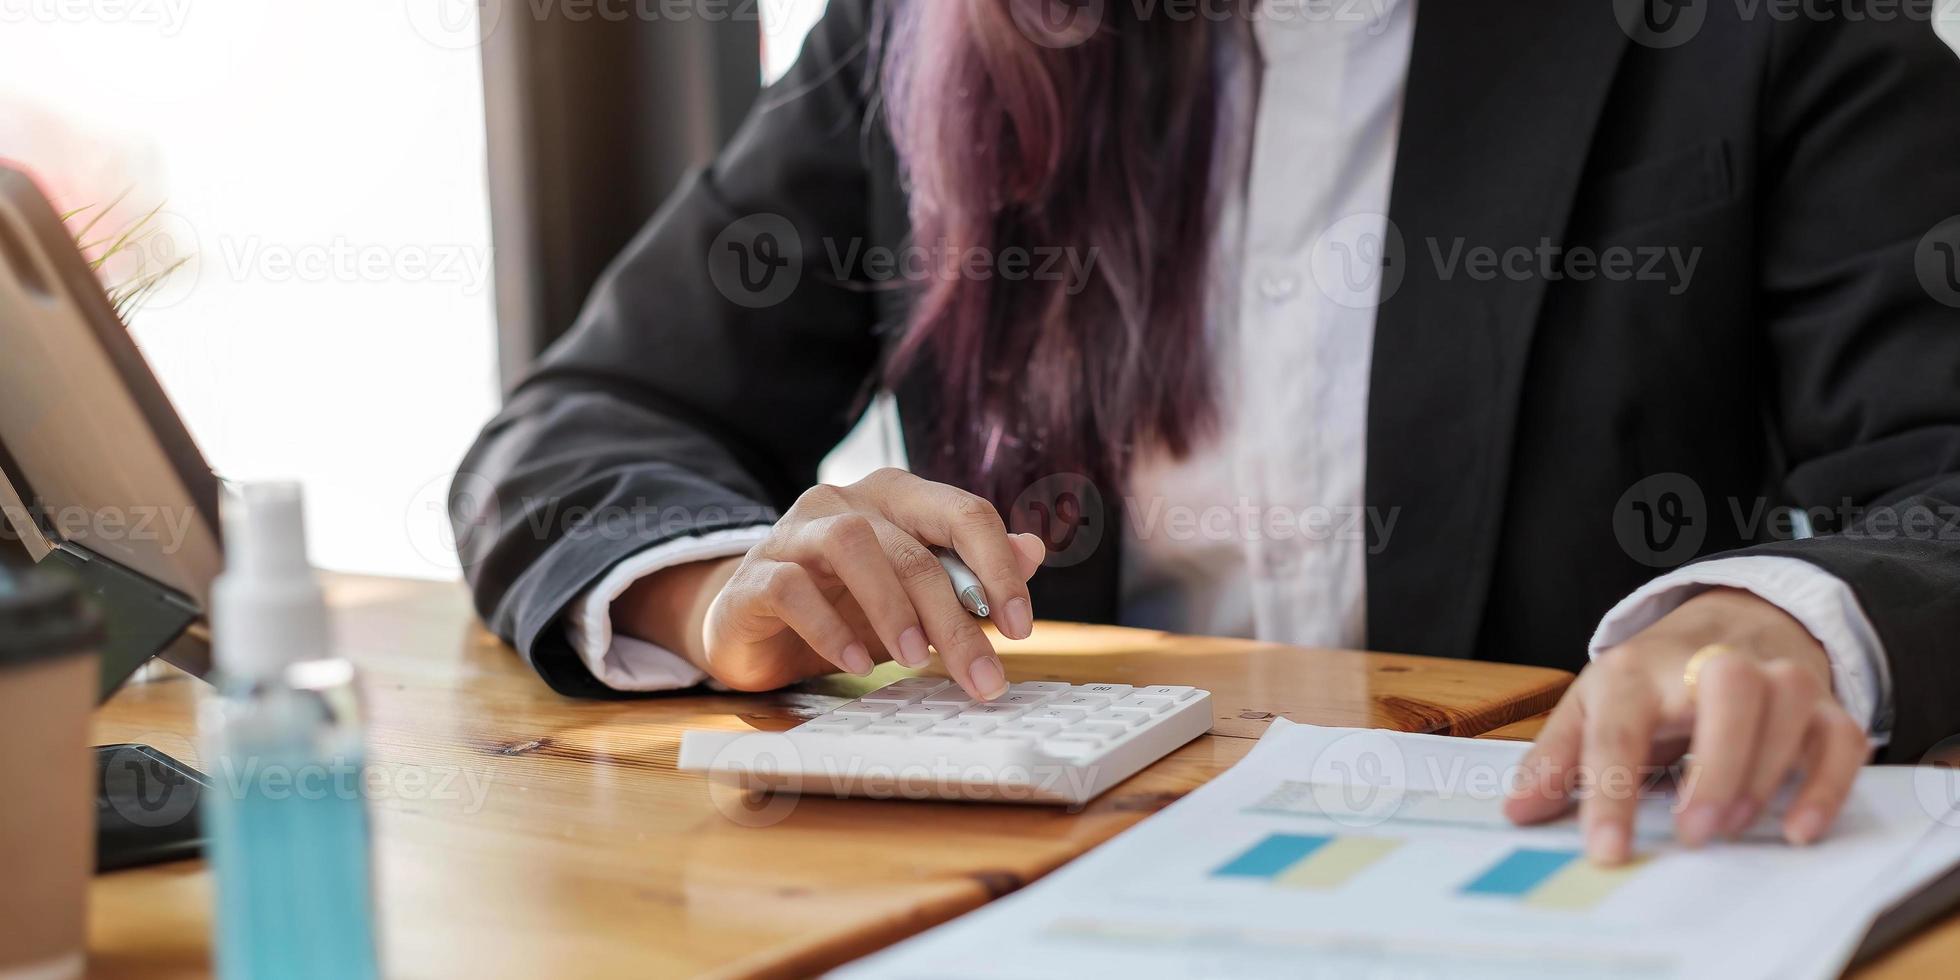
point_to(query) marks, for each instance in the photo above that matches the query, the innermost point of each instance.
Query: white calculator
(923, 738)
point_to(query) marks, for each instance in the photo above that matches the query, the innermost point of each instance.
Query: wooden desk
(519, 833)
(1522, 730)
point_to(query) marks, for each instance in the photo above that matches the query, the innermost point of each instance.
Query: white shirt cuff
(1818, 600)
(624, 663)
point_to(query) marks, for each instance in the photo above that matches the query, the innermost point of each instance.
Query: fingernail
(1606, 843)
(988, 680)
(1697, 824)
(1806, 825)
(1020, 618)
(1742, 813)
(857, 659)
(912, 648)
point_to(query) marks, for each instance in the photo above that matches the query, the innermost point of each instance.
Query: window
(785, 23)
(322, 168)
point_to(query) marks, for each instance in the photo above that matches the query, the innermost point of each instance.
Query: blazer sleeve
(1860, 182)
(716, 362)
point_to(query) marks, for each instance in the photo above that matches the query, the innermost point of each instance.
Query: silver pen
(965, 583)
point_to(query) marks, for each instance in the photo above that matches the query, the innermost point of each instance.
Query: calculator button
(903, 692)
(965, 726)
(1101, 729)
(1172, 691)
(1038, 687)
(831, 724)
(936, 712)
(1040, 726)
(998, 712)
(1144, 703)
(1124, 717)
(861, 709)
(1111, 690)
(1085, 702)
(899, 726)
(1067, 716)
(1023, 700)
(951, 695)
(1016, 735)
(1073, 745)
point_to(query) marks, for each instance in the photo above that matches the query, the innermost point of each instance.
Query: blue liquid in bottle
(287, 810)
(287, 819)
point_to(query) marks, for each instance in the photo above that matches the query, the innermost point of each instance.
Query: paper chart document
(1354, 853)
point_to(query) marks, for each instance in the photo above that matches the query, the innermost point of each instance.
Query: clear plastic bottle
(287, 813)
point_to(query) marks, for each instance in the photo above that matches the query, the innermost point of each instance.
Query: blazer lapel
(1502, 103)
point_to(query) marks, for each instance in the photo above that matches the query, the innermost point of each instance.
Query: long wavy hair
(1078, 133)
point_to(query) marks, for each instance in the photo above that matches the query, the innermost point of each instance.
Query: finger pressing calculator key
(1041, 742)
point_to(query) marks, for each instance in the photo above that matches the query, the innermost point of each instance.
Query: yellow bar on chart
(1331, 865)
(1580, 885)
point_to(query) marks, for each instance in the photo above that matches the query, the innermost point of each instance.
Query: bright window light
(322, 166)
(785, 23)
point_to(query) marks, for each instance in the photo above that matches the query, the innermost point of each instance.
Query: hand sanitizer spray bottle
(287, 815)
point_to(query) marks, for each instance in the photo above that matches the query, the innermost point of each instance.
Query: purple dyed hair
(1017, 135)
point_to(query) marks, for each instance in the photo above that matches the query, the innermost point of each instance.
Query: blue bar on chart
(1308, 861)
(1551, 879)
(1271, 856)
(1520, 872)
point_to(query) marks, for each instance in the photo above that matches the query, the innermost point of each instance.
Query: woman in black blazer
(1504, 331)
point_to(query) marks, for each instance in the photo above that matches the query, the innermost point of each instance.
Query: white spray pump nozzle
(267, 608)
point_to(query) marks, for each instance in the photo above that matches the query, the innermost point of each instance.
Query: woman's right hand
(845, 579)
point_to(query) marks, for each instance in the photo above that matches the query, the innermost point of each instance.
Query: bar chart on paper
(1540, 878)
(1308, 861)
(1549, 879)
(1276, 869)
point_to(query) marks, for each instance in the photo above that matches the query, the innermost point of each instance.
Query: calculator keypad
(1077, 721)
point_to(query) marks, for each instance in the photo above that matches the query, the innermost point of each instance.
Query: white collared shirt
(1261, 531)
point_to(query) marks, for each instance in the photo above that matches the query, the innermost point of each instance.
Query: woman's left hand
(1760, 708)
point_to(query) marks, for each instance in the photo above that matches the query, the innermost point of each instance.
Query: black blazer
(1547, 443)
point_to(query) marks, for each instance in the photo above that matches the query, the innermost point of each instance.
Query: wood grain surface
(519, 833)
